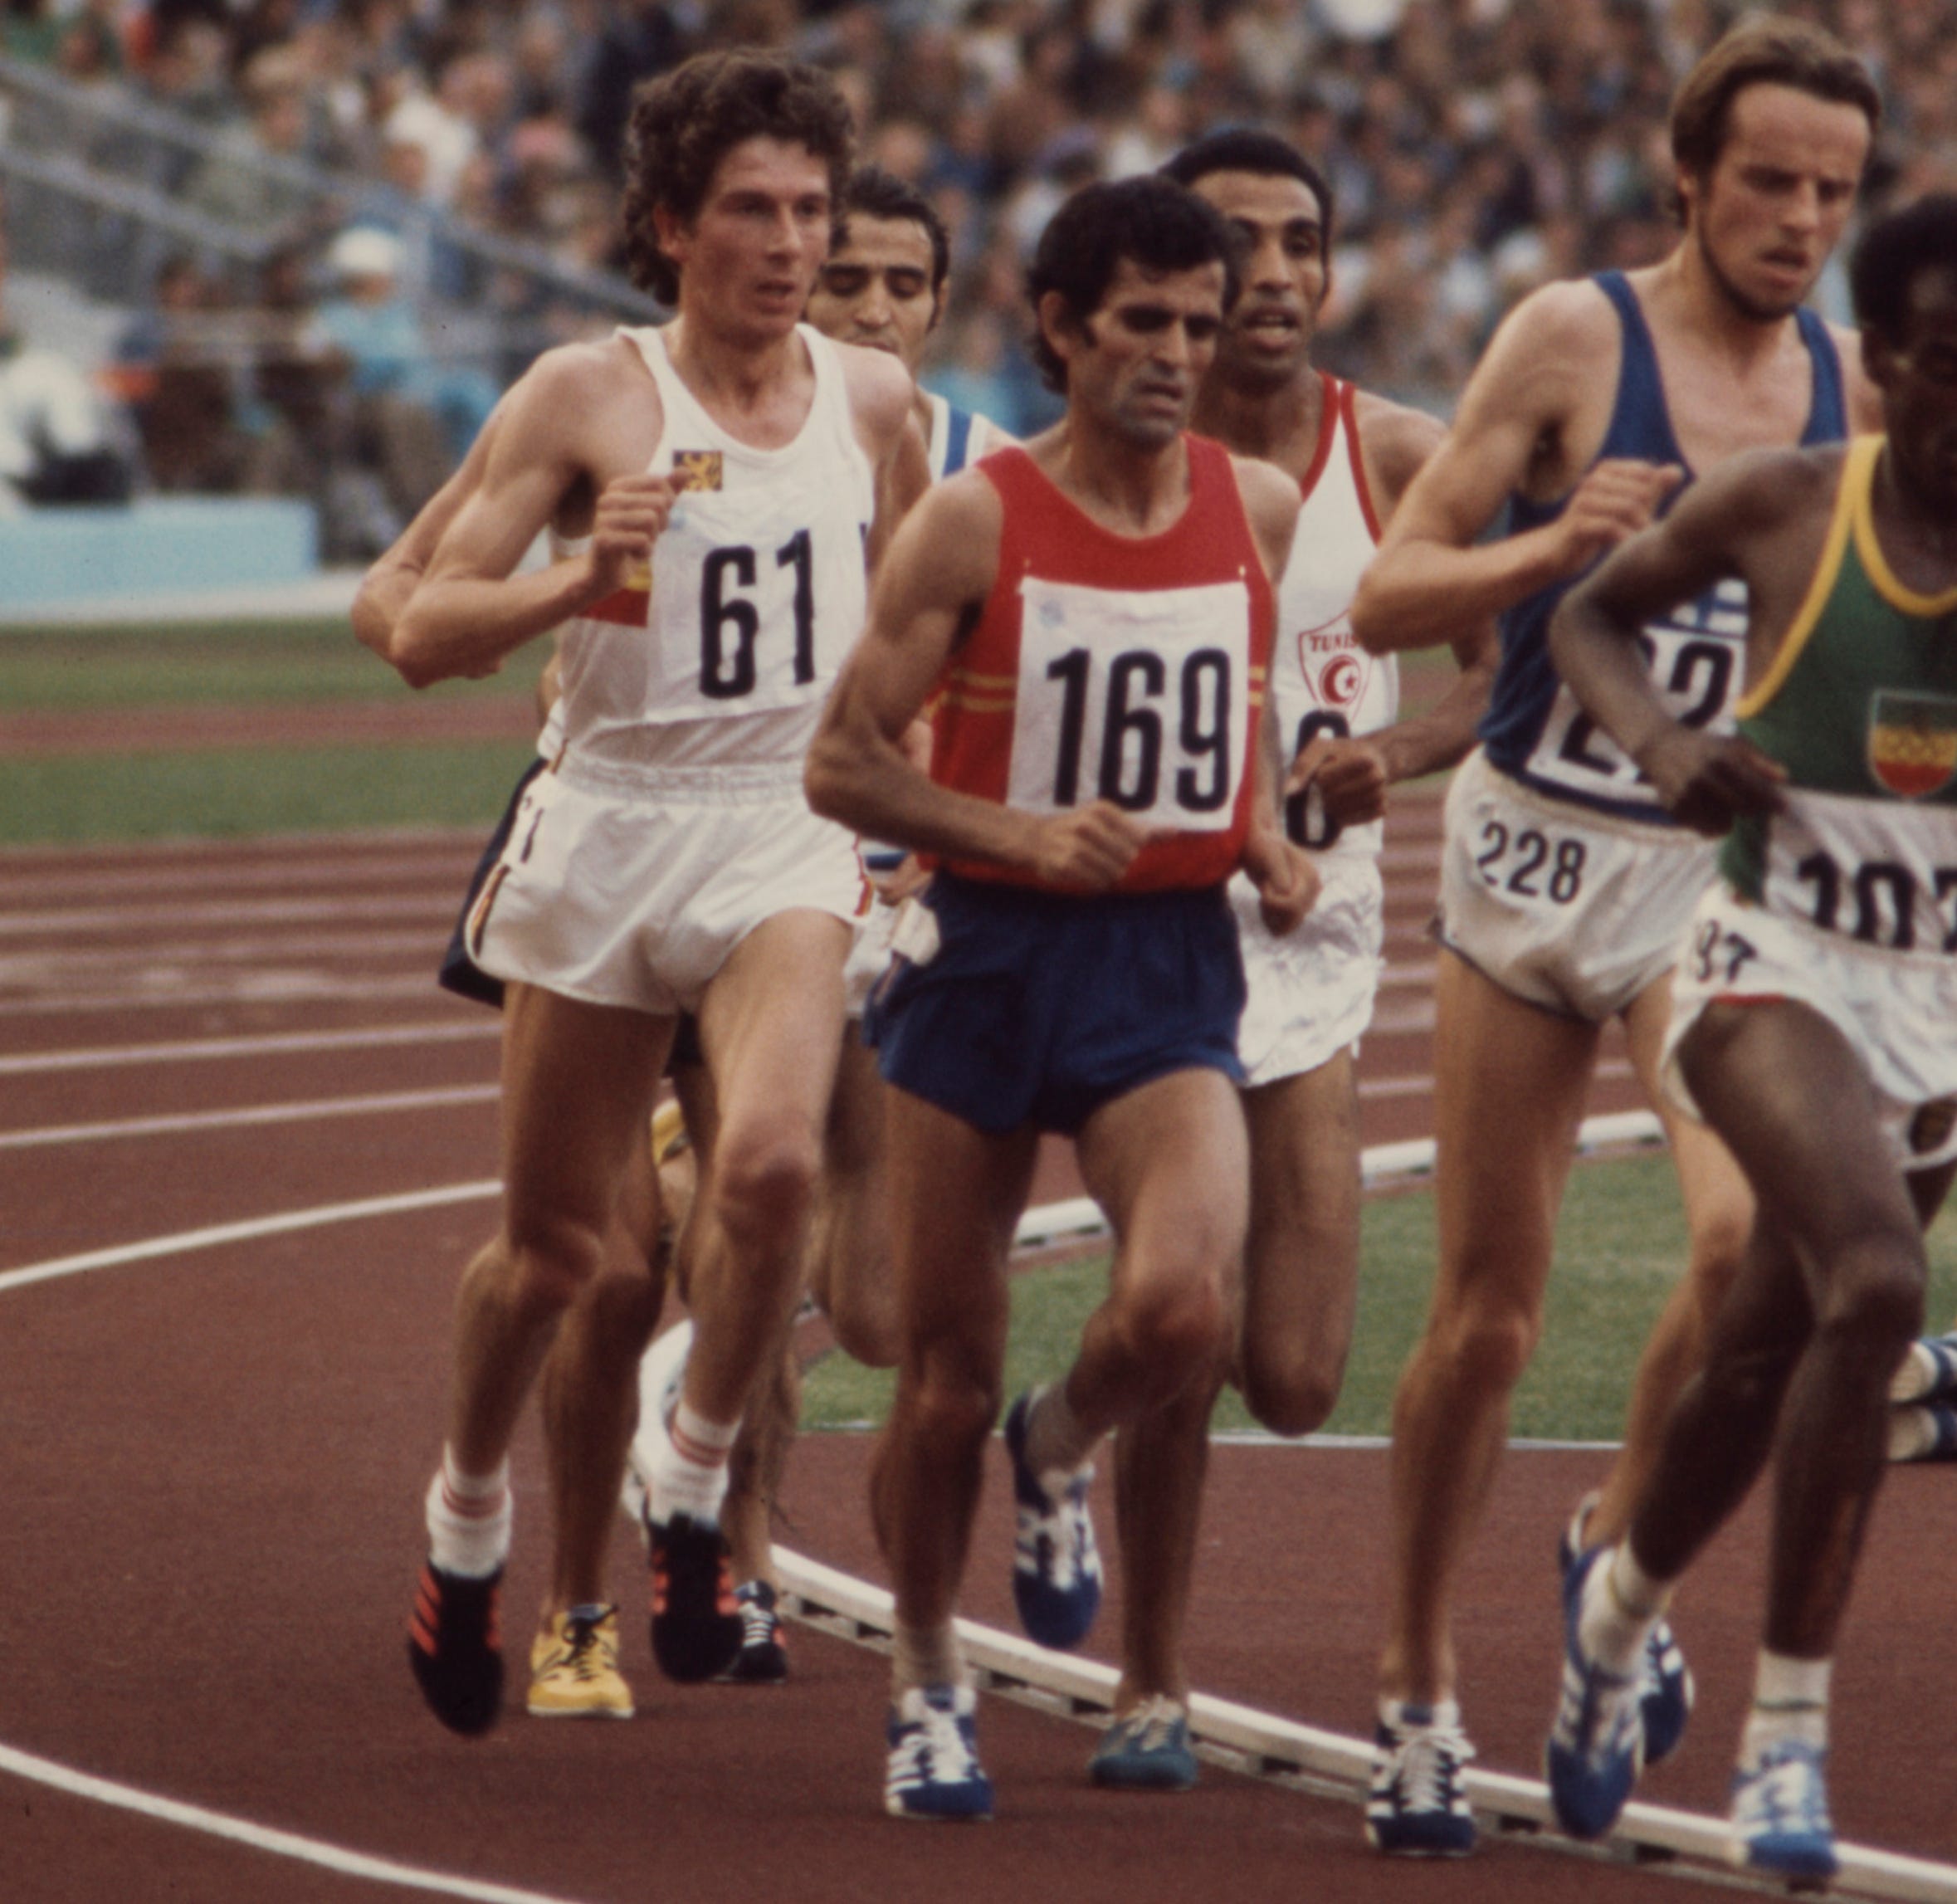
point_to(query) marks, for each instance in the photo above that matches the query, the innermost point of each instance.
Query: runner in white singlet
(1310, 992)
(727, 470)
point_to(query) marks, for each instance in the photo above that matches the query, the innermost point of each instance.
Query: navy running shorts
(1038, 1008)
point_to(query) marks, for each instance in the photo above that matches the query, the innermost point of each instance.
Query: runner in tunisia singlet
(755, 593)
(1116, 668)
(1323, 681)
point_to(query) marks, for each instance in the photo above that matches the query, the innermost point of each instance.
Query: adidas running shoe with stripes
(1056, 1573)
(1780, 1817)
(933, 1770)
(696, 1624)
(1596, 1745)
(1416, 1806)
(1668, 1688)
(763, 1659)
(455, 1646)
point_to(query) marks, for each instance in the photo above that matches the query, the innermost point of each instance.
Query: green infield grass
(94, 796)
(1619, 1249)
(196, 664)
(237, 793)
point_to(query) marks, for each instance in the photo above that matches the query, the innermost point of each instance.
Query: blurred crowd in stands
(1477, 148)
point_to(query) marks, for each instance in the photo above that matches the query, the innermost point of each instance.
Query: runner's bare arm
(1286, 880)
(882, 405)
(1722, 528)
(933, 583)
(1431, 575)
(385, 588)
(564, 425)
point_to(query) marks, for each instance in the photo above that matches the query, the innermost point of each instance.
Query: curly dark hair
(1162, 226)
(684, 122)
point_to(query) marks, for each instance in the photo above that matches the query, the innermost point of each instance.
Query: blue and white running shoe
(1668, 1688)
(1416, 1806)
(1055, 1564)
(1780, 1819)
(934, 1771)
(1596, 1746)
(1928, 1370)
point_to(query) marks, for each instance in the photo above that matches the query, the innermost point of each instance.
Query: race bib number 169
(1139, 699)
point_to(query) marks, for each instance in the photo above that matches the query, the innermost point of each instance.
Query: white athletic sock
(925, 1656)
(1789, 1701)
(1055, 1442)
(468, 1519)
(1621, 1603)
(691, 1475)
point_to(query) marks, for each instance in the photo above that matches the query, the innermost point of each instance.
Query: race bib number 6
(1142, 699)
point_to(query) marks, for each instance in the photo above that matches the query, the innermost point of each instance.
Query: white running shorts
(636, 899)
(1309, 993)
(1574, 910)
(1898, 1011)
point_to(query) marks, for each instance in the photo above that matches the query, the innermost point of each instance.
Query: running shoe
(696, 1624)
(1596, 1746)
(1780, 1820)
(1923, 1431)
(575, 1666)
(763, 1659)
(668, 1135)
(662, 1369)
(934, 1771)
(1416, 1806)
(1055, 1565)
(455, 1646)
(1147, 1750)
(1929, 1369)
(1668, 1688)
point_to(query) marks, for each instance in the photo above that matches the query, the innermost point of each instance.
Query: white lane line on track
(96, 884)
(261, 1837)
(250, 1115)
(283, 989)
(121, 921)
(183, 1241)
(193, 1051)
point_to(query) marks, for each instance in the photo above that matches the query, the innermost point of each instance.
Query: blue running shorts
(1038, 1008)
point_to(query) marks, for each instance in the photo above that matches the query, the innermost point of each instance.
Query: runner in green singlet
(1814, 1021)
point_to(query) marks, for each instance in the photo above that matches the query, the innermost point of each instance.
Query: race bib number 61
(1142, 699)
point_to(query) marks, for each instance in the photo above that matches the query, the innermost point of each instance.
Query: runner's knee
(555, 1259)
(1874, 1308)
(763, 1180)
(1291, 1388)
(1488, 1344)
(952, 1402)
(1176, 1325)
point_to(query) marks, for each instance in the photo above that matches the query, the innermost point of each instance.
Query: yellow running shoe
(669, 1130)
(575, 1666)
